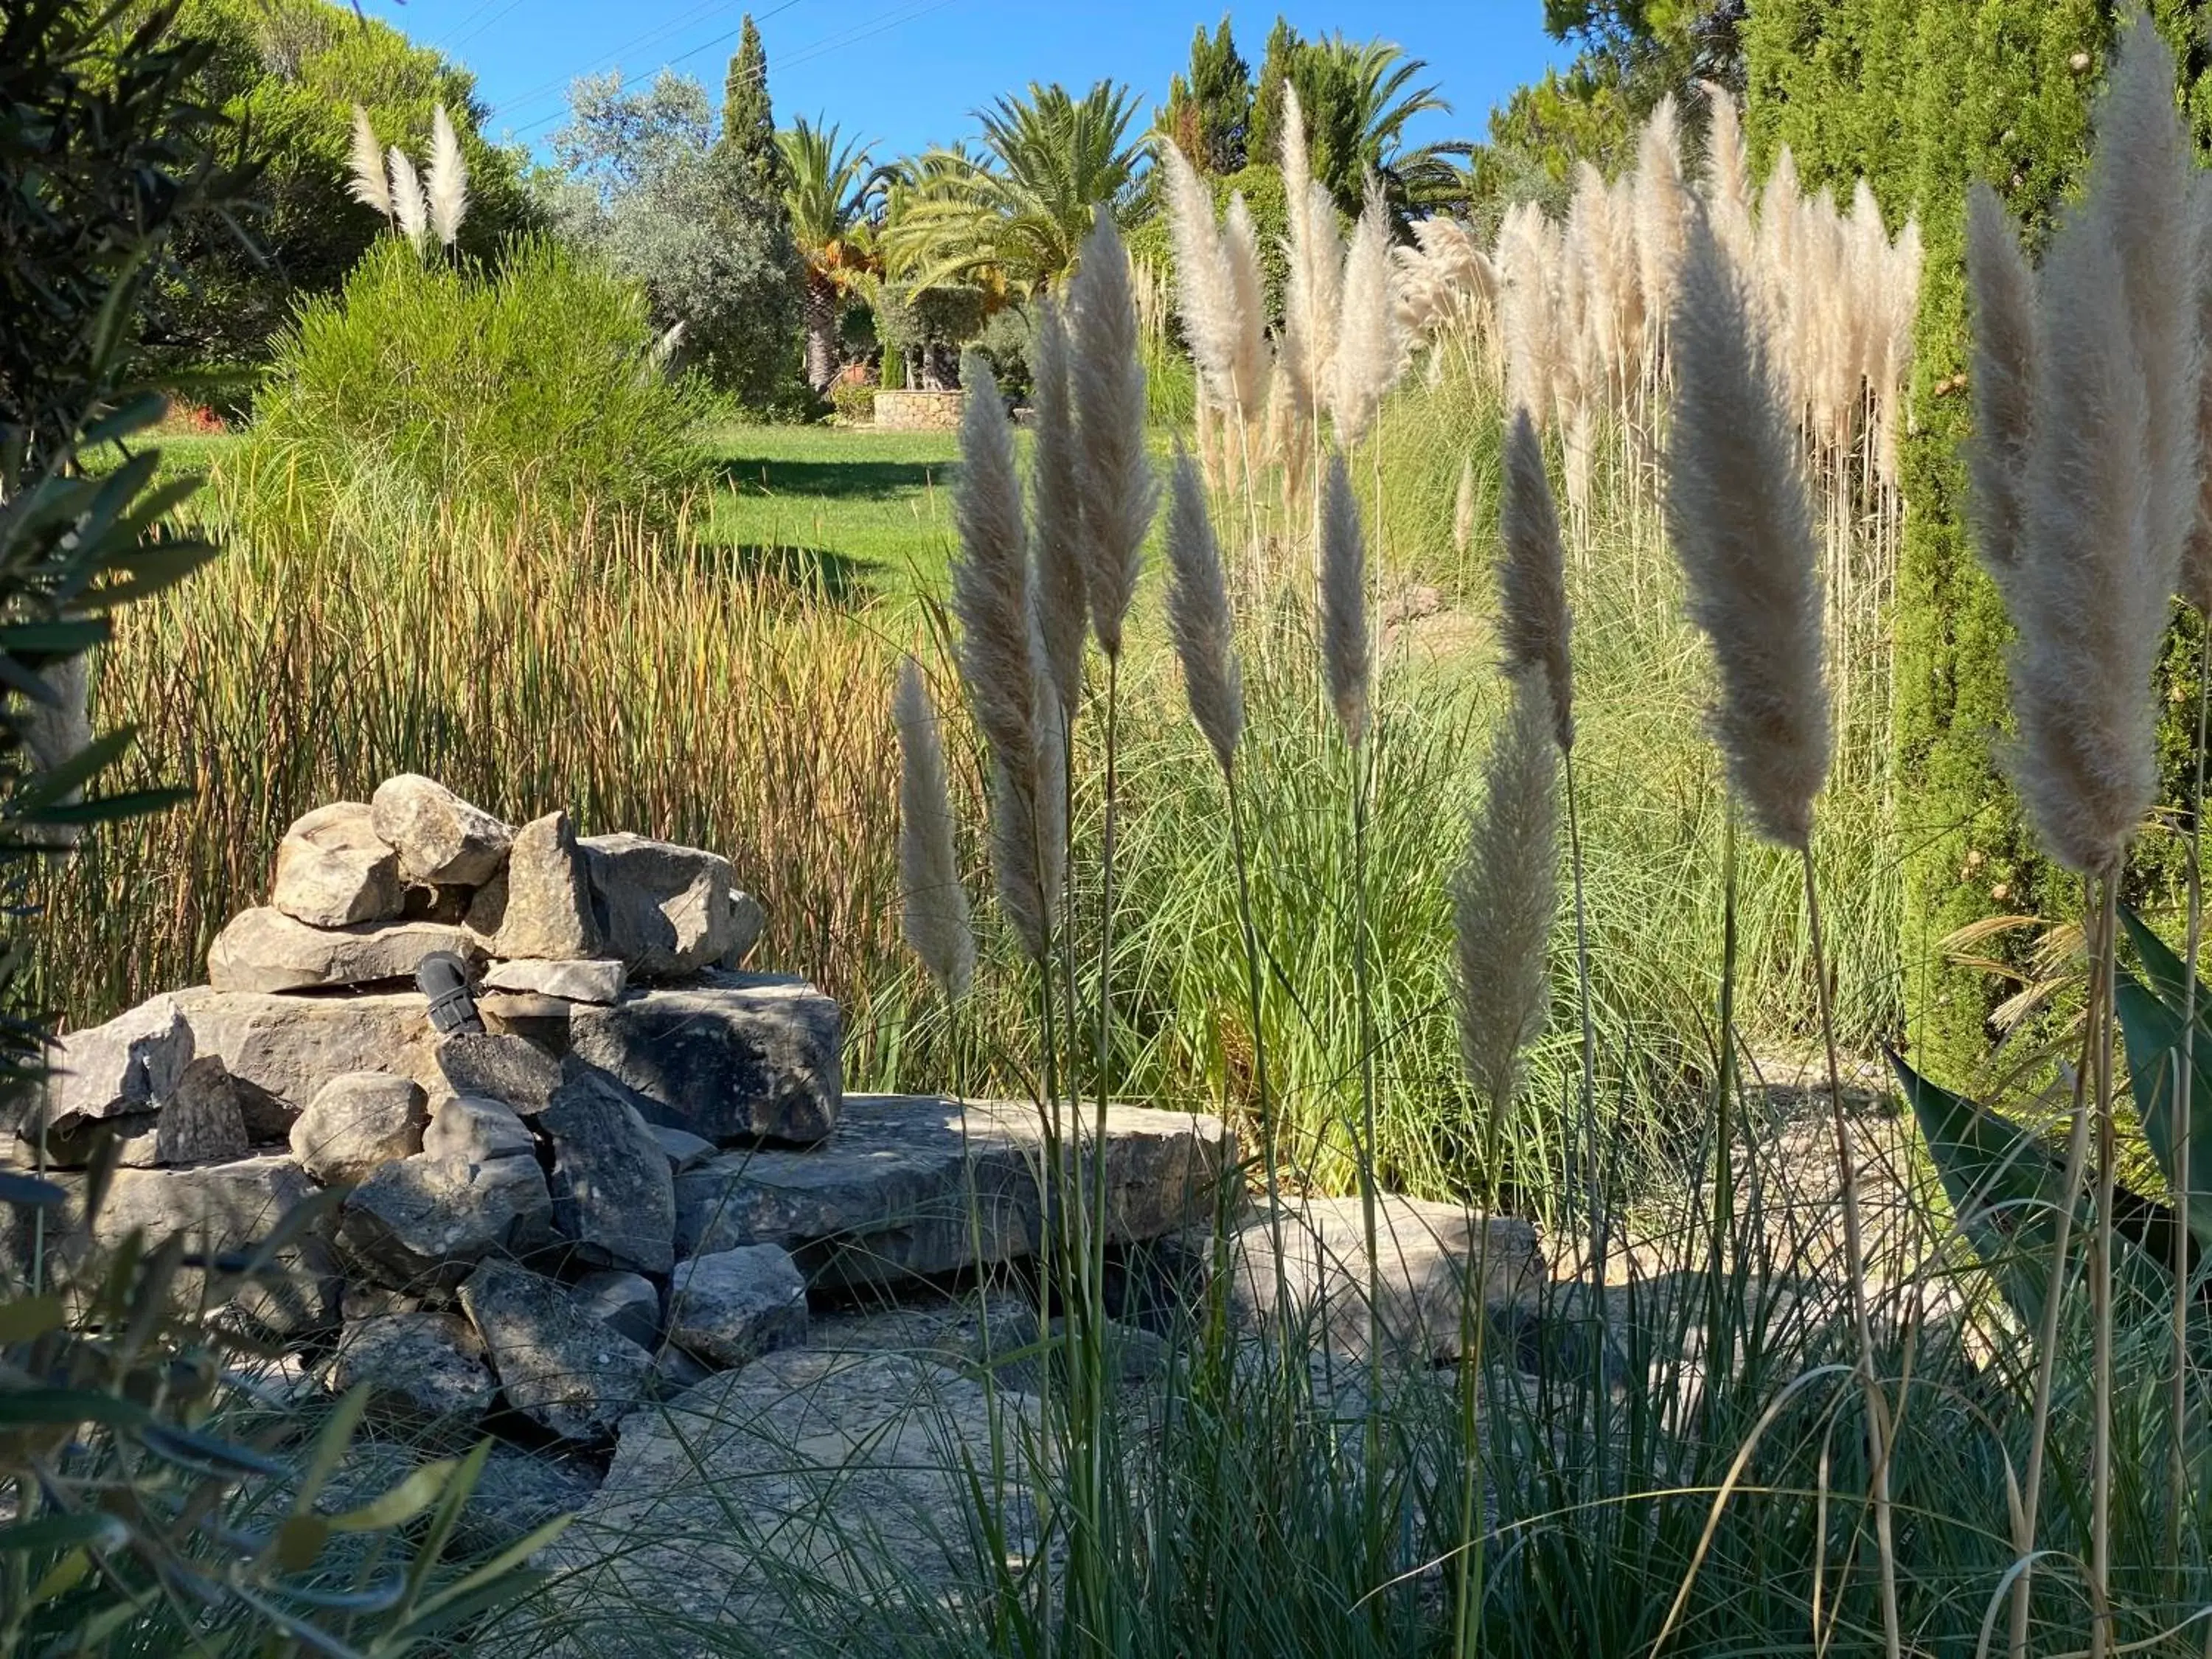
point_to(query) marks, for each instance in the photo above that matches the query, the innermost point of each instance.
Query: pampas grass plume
(991, 578)
(1737, 515)
(407, 206)
(935, 906)
(1240, 254)
(1345, 659)
(447, 180)
(1114, 472)
(2002, 289)
(1369, 353)
(1198, 615)
(1205, 284)
(1532, 583)
(1056, 512)
(369, 187)
(1504, 898)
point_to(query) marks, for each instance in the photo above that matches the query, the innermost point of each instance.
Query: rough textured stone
(361, 1301)
(717, 1505)
(667, 910)
(424, 1221)
(512, 1069)
(231, 1208)
(130, 1065)
(1429, 1254)
(889, 1196)
(613, 1193)
(333, 869)
(264, 949)
(737, 1055)
(736, 1305)
(284, 1048)
(428, 901)
(357, 1123)
(440, 836)
(685, 1150)
(200, 1122)
(541, 905)
(425, 1364)
(557, 1365)
(597, 980)
(477, 1129)
(626, 1301)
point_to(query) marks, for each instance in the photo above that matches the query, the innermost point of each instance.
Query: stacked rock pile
(642, 1171)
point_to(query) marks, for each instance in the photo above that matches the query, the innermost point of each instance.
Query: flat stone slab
(583, 980)
(888, 1196)
(420, 1364)
(808, 1491)
(265, 949)
(284, 1049)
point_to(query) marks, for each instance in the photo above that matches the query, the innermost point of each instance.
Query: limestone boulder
(475, 1130)
(440, 838)
(614, 1196)
(666, 910)
(422, 1365)
(424, 1222)
(540, 905)
(914, 1186)
(499, 1067)
(126, 1067)
(357, 1123)
(736, 1057)
(595, 980)
(557, 1364)
(736, 1305)
(265, 949)
(226, 1211)
(626, 1301)
(282, 1049)
(201, 1122)
(685, 1150)
(333, 869)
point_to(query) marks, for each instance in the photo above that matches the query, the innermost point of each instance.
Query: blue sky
(908, 72)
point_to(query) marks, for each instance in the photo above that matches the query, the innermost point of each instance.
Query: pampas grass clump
(1198, 615)
(935, 906)
(1532, 578)
(1118, 491)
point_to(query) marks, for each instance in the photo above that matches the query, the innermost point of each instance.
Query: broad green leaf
(2151, 1029)
(402, 1504)
(64, 1576)
(2167, 973)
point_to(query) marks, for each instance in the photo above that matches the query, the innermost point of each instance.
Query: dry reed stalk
(1055, 510)
(1532, 587)
(369, 186)
(934, 910)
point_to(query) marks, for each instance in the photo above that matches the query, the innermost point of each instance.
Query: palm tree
(831, 198)
(1010, 219)
(1359, 100)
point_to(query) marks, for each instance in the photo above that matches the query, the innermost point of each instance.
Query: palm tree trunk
(821, 311)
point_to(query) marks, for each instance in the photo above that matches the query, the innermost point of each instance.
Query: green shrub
(438, 387)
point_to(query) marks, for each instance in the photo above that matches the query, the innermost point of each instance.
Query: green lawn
(859, 511)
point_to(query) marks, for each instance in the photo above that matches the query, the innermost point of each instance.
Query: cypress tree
(748, 139)
(1209, 115)
(1924, 97)
(1265, 139)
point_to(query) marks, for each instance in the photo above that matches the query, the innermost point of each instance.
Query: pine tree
(1265, 139)
(1209, 115)
(748, 140)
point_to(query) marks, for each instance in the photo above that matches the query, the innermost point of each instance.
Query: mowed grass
(857, 512)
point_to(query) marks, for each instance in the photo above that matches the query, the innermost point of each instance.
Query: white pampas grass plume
(408, 207)
(1346, 657)
(1114, 472)
(2001, 291)
(1532, 581)
(1728, 173)
(1240, 253)
(1198, 615)
(934, 905)
(1310, 302)
(1056, 512)
(369, 187)
(447, 181)
(1505, 899)
(1463, 508)
(1662, 205)
(1737, 515)
(1205, 287)
(1370, 354)
(991, 578)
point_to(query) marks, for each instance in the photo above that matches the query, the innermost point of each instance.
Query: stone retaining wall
(920, 411)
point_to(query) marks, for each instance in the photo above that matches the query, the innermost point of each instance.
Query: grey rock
(508, 1068)
(334, 871)
(668, 910)
(736, 1505)
(912, 1185)
(557, 1364)
(1428, 1261)
(357, 1123)
(284, 1048)
(675, 1371)
(627, 1301)
(231, 1208)
(736, 1055)
(736, 1305)
(361, 1301)
(128, 1065)
(200, 1122)
(540, 906)
(425, 1364)
(685, 1150)
(593, 980)
(475, 1130)
(424, 1222)
(613, 1193)
(440, 836)
(265, 949)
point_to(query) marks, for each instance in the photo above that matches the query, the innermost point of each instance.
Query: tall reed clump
(2086, 484)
